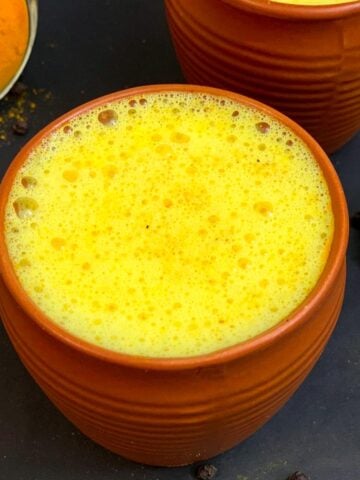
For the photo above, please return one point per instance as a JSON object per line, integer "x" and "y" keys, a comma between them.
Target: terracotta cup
{"x": 180, "y": 410}
{"x": 302, "y": 60}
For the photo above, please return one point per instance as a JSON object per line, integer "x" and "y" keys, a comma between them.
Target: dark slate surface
{"x": 87, "y": 48}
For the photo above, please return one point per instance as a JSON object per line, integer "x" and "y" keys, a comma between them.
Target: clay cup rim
{"x": 277, "y": 333}
{"x": 297, "y": 12}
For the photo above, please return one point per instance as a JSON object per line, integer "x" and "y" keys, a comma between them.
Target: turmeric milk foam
{"x": 169, "y": 226}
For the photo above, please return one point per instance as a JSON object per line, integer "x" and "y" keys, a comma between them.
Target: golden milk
{"x": 169, "y": 226}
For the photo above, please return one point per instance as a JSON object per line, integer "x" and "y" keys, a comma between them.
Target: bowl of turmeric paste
{"x": 18, "y": 24}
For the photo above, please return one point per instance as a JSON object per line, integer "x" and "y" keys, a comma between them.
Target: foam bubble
{"x": 28, "y": 182}
{"x": 263, "y": 127}
{"x": 25, "y": 207}
{"x": 108, "y": 117}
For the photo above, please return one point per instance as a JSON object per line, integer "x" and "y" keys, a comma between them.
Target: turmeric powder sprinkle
{"x": 18, "y": 108}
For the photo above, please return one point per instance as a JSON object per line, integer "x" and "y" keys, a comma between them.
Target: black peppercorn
{"x": 298, "y": 476}
{"x": 206, "y": 472}
{"x": 18, "y": 89}
{"x": 20, "y": 127}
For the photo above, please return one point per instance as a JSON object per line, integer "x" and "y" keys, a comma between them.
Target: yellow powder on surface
{"x": 14, "y": 35}
{"x": 169, "y": 226}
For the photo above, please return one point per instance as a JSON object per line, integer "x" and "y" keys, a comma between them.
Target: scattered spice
{"x": 20, "y": 127}
{"x": 298, "y": 476}
{"x": 16, "y": 109}
{"x": 355, "y": 221}
{"x": 205, "y": 472}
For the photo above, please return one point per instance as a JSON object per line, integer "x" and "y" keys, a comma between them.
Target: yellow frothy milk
{"x": 169, "y": 225}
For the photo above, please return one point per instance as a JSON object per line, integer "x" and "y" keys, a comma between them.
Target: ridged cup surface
{"x": 303, "y": 61}
{"x": 174, "y": 411}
